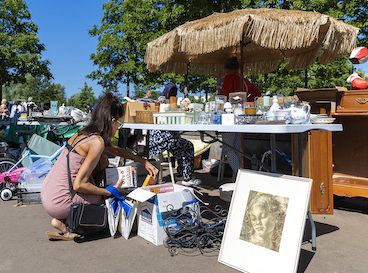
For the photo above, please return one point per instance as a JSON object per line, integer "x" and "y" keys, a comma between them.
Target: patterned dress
{"x": 180, "y": 148}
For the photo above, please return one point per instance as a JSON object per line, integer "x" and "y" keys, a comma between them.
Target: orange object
{"x": 150, "y": 180}
{"x": 173, "y": 102}
{"x": 249, "y": 108}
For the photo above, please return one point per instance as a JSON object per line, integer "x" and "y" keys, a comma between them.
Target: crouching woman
{"x": 86, "y": 159}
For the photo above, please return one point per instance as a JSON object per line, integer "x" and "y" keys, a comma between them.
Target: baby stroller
{"x": 12, "y": 170}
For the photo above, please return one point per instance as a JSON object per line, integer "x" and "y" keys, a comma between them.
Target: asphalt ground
{"x": 342, "y": 244}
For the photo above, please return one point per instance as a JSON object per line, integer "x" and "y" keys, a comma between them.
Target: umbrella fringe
{"x": 340, "y": 38}
{"x": 217, "y": 70}
{"x": 211, "y": 38}
{"x": 286, "y": 31}
{"x": 160, "y": 50}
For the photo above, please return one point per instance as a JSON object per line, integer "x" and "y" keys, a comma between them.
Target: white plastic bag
{"x": 33, "y": 176}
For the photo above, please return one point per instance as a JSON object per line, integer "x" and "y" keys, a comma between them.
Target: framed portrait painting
{"x": 265, "y": 224}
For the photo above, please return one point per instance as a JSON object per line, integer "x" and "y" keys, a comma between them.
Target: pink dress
{"x": 55, "y": 194}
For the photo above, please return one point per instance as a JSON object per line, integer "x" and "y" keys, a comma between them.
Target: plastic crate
{"x": 173, "y": 118}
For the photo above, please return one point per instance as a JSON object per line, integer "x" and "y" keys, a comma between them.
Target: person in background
{"x": 230, "y": 84}
{"x": 180, "y": 148}
{"x": 148, "y": 94}
{"x": 4, "y": 109}
{"x": 87, "y": 158}
{"x": 232, "y": 81}
{"x": 31, "y": 106}
{"x": 16, "y": 109}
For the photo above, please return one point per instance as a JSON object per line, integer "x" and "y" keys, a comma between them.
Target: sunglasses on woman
{"x": 121, "y": 124}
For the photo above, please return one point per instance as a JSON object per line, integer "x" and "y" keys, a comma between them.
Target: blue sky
{"x": 63, "y": 28}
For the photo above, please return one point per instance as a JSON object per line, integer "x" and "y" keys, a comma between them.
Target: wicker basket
{"x": 144, "y": 116}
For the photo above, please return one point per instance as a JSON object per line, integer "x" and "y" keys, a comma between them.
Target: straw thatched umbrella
{"x": 267, "y": 36}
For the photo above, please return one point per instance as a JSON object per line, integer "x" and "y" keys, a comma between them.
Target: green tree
{"x": 83, "y": 99}
{"x": 127, "y": 27}
{"x": 20, "y": 48}
{"x": 40, "y": 89}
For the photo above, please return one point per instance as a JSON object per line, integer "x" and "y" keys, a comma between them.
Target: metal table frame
{"x": 251, "y": 128}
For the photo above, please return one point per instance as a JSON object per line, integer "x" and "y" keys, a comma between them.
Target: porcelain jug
{"x": 299, "y": 114}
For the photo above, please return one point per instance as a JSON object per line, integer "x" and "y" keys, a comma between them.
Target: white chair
{"x": 163, "y": 164}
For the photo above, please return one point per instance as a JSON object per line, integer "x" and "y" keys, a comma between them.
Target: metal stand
{"x": 273, "y": 152}
{"x": 273, "y": 169}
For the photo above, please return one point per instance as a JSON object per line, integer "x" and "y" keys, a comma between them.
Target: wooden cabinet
{"x": 350, "y": 149}
{"x": 353, "y": 102}
{"x": 338, "y": 162}
{"x": 316, "y": 156}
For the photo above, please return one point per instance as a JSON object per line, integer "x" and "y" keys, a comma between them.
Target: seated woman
{"x": 179, "y": 147}
{"x": 86, "y": 159}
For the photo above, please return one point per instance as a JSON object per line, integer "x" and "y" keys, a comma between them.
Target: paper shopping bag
{"x": 113, "y": 216}
{"x": 126, "y": 220}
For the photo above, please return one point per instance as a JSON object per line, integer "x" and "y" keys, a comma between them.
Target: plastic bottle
{"x": 266, "y": 101}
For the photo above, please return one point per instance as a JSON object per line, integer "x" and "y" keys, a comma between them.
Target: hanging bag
{"x": 84, "y": 219}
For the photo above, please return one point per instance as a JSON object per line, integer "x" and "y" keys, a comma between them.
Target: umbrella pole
{"x": 242, "y": 144}
{"x": 186, "y": 84}
{"x": 241, "y": 66}
{"x": 242, "y": 45}
{"x": 305, "y": 78}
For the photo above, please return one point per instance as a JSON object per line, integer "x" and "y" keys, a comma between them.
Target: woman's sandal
{"x": 59, "y": 236}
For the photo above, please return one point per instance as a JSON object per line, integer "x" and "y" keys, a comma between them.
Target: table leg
{"x": 273, "y": 152}
{"x": 313, "y": 228}
{"x": 309, "y": 213}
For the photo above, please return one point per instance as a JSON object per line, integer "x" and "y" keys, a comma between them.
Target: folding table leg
{"x": 309, "y": 214}
{"x": 313, "y": 228}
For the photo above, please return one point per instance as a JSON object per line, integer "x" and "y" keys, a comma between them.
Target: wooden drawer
{"x": 353, "y": 101}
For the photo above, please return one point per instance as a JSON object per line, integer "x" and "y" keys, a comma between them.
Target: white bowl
{"x": 323, "y": 120}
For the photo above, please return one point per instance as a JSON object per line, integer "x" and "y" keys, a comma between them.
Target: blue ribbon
{"x": 119, "y": 201}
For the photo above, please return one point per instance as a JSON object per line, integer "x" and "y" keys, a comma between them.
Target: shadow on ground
{"x": 304, "y": 259}
{"x": 306, "y": 256}
{"x": 355, "y": 204}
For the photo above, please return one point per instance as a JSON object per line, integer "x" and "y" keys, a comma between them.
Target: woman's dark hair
{"x": 232, "y": 64}
{"x": 108, "y": 108}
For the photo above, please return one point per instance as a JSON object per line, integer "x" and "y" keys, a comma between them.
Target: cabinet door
{"x": 316, "y": 157}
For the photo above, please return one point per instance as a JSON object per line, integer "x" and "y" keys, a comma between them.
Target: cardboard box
{"x": 131, "y": 108}
{"x": 153, "y": 212}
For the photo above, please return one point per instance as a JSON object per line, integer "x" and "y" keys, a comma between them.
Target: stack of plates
{"x": 321, "y": 119}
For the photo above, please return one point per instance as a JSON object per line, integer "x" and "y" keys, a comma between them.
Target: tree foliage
{"x": 127, "y": 26}
{"x": 42, "y": 90}
{"x": 318, "y": 76}
{"x": 20, "y": 48}
{"x": 85, "y": 98}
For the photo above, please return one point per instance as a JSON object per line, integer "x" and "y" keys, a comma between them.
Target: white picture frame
{"x": 265, "y": 224}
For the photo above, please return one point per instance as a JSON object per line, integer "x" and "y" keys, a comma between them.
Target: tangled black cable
{"x": 194, "y": 227}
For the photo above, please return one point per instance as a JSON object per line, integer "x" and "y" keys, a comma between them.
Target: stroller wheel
{"x": 6, "y": 194}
